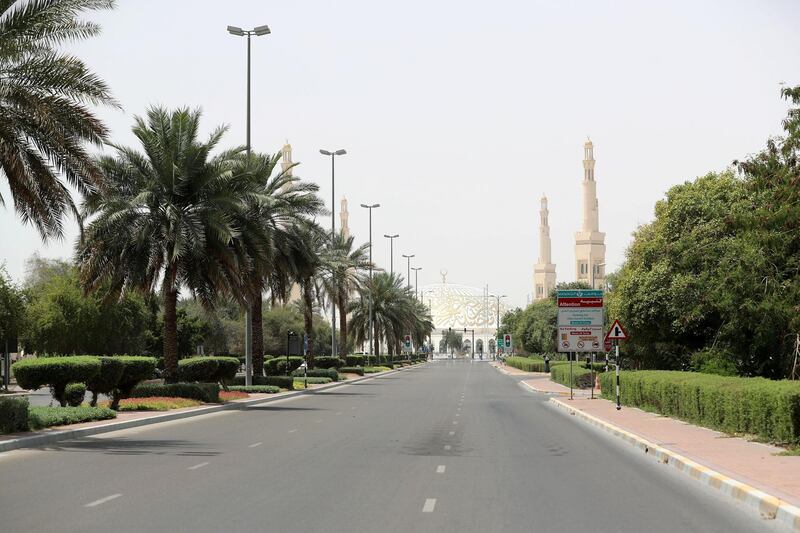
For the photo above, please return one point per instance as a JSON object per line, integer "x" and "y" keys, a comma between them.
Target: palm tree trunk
{"x": 170, "y": 333}
{"x": 343, "y": 321}
{"x": 256, "y": 315}
{"x": 377, "y": 339}
{"x": 308, "y": 319}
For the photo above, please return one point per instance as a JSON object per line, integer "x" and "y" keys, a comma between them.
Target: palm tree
{"x": 45, "y": 120}
{"x": 168, "y": 216}
{"x": 392, "y": 310}
{"x": 344, "y": 277}
{"x": 283, "y": 201}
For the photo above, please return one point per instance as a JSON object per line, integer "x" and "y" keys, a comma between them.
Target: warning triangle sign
{"x": 616, "y": 332}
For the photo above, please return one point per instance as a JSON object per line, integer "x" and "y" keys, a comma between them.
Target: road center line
{"x": 292, "y": 430}
{"x": 430, "y": 503}
{"x": 447, "y": 446}
{"x": 440, "y": 469}
{"x": 452, "y": 432}
{"x": 255, "y": 444}
{"x": 201, "y": 465}
{"x": 103, "y": 500}
{"x": 455, "y": 422}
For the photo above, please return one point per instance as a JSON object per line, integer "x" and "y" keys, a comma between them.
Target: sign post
{"x": 580, "y": 324}
{"x": 616, "y": 334}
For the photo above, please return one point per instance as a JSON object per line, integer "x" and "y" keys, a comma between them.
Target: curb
{"x": 57, "y": 435}
{"x": 551, "y": 393}
{"x": 768, "y": 506}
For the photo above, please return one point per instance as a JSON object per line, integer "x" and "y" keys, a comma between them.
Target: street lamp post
{"x": 333, "y": 155}
{"x": 369, "y": 297}
{"x": 497, "y": 333}
{"x": 391, "y": 251}
{"x": 248, "y": 319}
{"x": 416, "y": 280}
{"x": 408, "y": 279}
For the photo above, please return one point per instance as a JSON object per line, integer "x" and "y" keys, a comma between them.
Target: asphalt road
{"x": 446, "y": 447}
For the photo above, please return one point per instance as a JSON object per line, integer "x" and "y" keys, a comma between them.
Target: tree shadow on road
{"x": 123, "y": 446}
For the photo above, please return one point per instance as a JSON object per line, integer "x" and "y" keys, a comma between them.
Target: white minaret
{"x": 344, "y": 216}
{"x": 286, "y": 158}
{"x": 544, "y": 272}
{"x": 590, "y": 248}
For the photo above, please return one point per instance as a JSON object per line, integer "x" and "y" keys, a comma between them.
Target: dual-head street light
{"x": 408, "y": 273}
{"x": 369, "y": 295}
{"x": 333, "y": 155}
{"x": 248, "y": 328}
{"x": 391, "y": 250}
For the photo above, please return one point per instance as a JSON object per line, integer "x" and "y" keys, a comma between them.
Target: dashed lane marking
{"x": 440, "y": 469}
{"x": 255, "y": 445}
{"x": 200, "y": 465}
{"x": 103, "y": 500}
{"x": 430, "y": 504}
{"x": 292, "y": 430}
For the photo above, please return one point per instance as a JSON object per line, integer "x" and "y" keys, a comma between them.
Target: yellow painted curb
{"x": 769, "y": 507}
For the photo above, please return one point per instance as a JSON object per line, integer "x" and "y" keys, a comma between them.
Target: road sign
{"x": 580, "y": 320}
{"x": 617, "y": 332}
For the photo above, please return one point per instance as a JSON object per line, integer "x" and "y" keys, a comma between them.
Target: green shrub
{"x": 56, "y": 372}
{"x": 318, "y": 373}
{"x": 106, "y": 380}
{"x": 354, "y": 360}
{"x": 264, "y": 389}
{"x": 327, "y": 361}
{"x": 75, "y": 393}
{"x": 204, "y": 392}
{"x": 42, "y": 417}
{"x": 526, "y": 364}
{"x": 751, "y": 406}
{"x": 375, "y": 369}
{"x": 135, "y": 370}
{"x": 581, "y": 377}
{"x": 299, "y": 382}
{"x": 277, "y": 365}
{"x": 226, "y": 369}
{"x": 352, "y": 370}
{"x": 200, "y": 369}
{"x": 284, "y": 382}
{"x": 13, "y": 414}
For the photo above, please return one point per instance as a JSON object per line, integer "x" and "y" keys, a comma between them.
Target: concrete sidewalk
{"x": 540, "y": 382}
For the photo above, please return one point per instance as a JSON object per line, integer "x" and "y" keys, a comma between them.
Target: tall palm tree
{"x": 283, "y": 201}
{"x": 392, "y": 310}
{"x": 346, "y": 265}
{"x": 168, "y": 216}
{"x": 45, "y": 120}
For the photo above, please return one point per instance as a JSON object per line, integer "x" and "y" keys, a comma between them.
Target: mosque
{"x": 475, "y": 312}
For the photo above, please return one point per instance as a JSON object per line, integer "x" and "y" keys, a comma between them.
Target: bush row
{"x": 284, "y": 382}
{"x": 207, "y": 369}
{"x": 581, "y": 376}
{"x": 115, "y": 376}
{"x": 42, "y": 417}
{"x": 331, "y": 373}
{"x": 752, "y": 406}
{"x": 264, "y": 389}
{"x": 204, "y": 392}
{"x": 352, "y": 370}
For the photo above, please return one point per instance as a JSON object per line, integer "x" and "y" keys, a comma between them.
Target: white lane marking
{"x": 255, "y": 445}
{"x": 103, "y": 500}
{"x": 452, "y": 432}
{"x": 292, "y": 430}
{"x": 318, "y": 420}
{"x": 455, "y": 422}
{"x": 354, "y": 408}
{"x": 458, "y": 414}
{"x": 430, "y": 503}
{"x": 201, "y": 465}
{"x": 440, "y": 469}
{"x": 447, "y": 446}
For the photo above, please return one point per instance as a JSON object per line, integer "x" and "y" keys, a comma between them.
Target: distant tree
{"x": 12, "y": 308}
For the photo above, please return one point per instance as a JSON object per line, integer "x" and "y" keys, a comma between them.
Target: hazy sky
{"x": 457, "y": 116}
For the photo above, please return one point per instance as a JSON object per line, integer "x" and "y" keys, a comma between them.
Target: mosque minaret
{"x": 344, "y": 216}
{"x": 544, "y": 273}
{"x": 590, "y": 248}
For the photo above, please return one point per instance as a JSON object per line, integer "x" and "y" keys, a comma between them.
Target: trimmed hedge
{"x": 208, "y": 369}
{"x": 354, "y": 360}
{"x": 13, "y": 414}
{"x": 56, "y": 372}
{"x": 751, "y": 406}
{"x": 526, "y": 364}
{"x": 135, "y": 370}
{"x": 312, "y": 381}
{"x": 204, "y": 392}
{"x": 581, "y": 377}
{"x": 277, "y": 365}
{"x": 352, "y": 370}
{"x": 327, "y": 361}
{"x": 111, "y": 369}
{"x": 264, "y": 389}
{"x": 375, "y": 369}
{"x": 75, "y": 393}
{"x": 284, "y": 382}
{"x": 318, "y": 373}
{"x": 42, "y": 417}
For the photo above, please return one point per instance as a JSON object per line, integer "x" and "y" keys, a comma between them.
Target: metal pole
{"x": 473, "y": 344}
{"x": 616, "y": 361}
{"x": 391, "y": 255}
{"x": 592, "y": 374}
{"x": 570, "y": 376}
{"x": 288, "y": 340}
{"x": 369, "y": 297}
{"x": 248, "y": 314}
{"x": 333, "y": 244}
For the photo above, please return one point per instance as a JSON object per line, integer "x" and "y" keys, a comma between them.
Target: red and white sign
{"x": 580, "y": 320}
{"x": 616, "y": 332}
